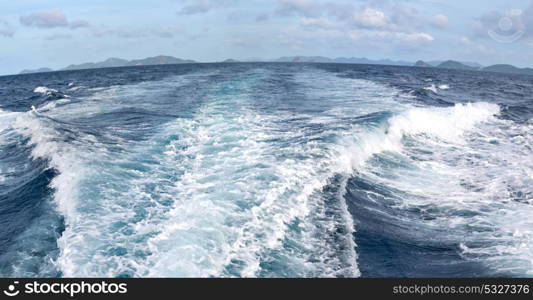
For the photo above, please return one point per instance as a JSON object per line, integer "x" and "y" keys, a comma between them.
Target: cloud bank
{"x": 52, "y": 18}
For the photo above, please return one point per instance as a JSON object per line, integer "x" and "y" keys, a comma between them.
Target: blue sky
{"x": 56, "y": 33}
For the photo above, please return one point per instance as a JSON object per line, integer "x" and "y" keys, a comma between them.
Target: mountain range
{"x": 342, "y": 60}
{"x": 165, "y": 60}
{"x": 500, "y": 68}
{"x": 118, "y": 62}
{"x": 41, "y": 70}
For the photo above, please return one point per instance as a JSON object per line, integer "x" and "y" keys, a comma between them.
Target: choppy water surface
{"x": 266, "y": 170}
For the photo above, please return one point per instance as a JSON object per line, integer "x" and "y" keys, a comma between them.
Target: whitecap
{"x": 44, "y": 90}
{"x": 432, "y": 88}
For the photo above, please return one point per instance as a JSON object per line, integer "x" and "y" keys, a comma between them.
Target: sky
{"x": 57, "y": 33}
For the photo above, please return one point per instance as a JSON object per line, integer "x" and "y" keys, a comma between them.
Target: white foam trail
{"x": 44, "y": 90}
{"x": 499, "y": 177}
{"x": 231, "y": 189}
{"x": 291, "y": 196}
{"x": 432, "y": 88}
{"x": 247, "y": 170}
{"x": 95, "y": 187}
{"x": 472, "y": 177}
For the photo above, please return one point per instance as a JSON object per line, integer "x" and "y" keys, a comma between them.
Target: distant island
{"x": 41, "y": 70}
{"x": 169, "y": 60}
{"x": 118, "y": 62}
{"x": 468, "y": 63}
{"x": 500, "y": 68}
{"x": 422, "y": 64}
{"x": 342, "y": 60}
{"x": 509, "y": 69}
{"x": 451, "y": 64}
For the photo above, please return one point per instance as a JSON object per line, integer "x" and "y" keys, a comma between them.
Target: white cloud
{"x": 397, "y": 18}
{"x": 322, "y": 23}
{"x": 197, "y": 8}
{"x": 79, "y": 24}
{"x": 193, "y": 7}
{"x": 390, "y": 36}
{"x": 51, "y": 19}
{"x": 413, "y": 37}
{"x": 371, "y": 18}
{"x": 45, "y": 19}
{"x": 440, "y": 21}
{"x": 6, "y": 30}
{"x": 132, "y": 33}
{"x": 346, "y": 21}
{"x": 306, "y": 8}
{"x": 58, "y": 36}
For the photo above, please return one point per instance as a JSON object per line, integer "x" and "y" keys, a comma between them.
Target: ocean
{"x": 266, "y": 170}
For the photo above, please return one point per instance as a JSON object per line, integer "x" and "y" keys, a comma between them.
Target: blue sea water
{"x": 266, "y": 170}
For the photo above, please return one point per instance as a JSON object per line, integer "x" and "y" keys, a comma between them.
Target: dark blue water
{"x": 266, "y": 170}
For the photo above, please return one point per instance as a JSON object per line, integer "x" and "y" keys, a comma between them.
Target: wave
{"x": 466, "y": 173}
{"x": 432, "y": 88}
{"x": 44, "y": 90}
{"x": 448, "y": 124}
{"x": 30, "y": 224}
{"x": 435, "y": 89}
